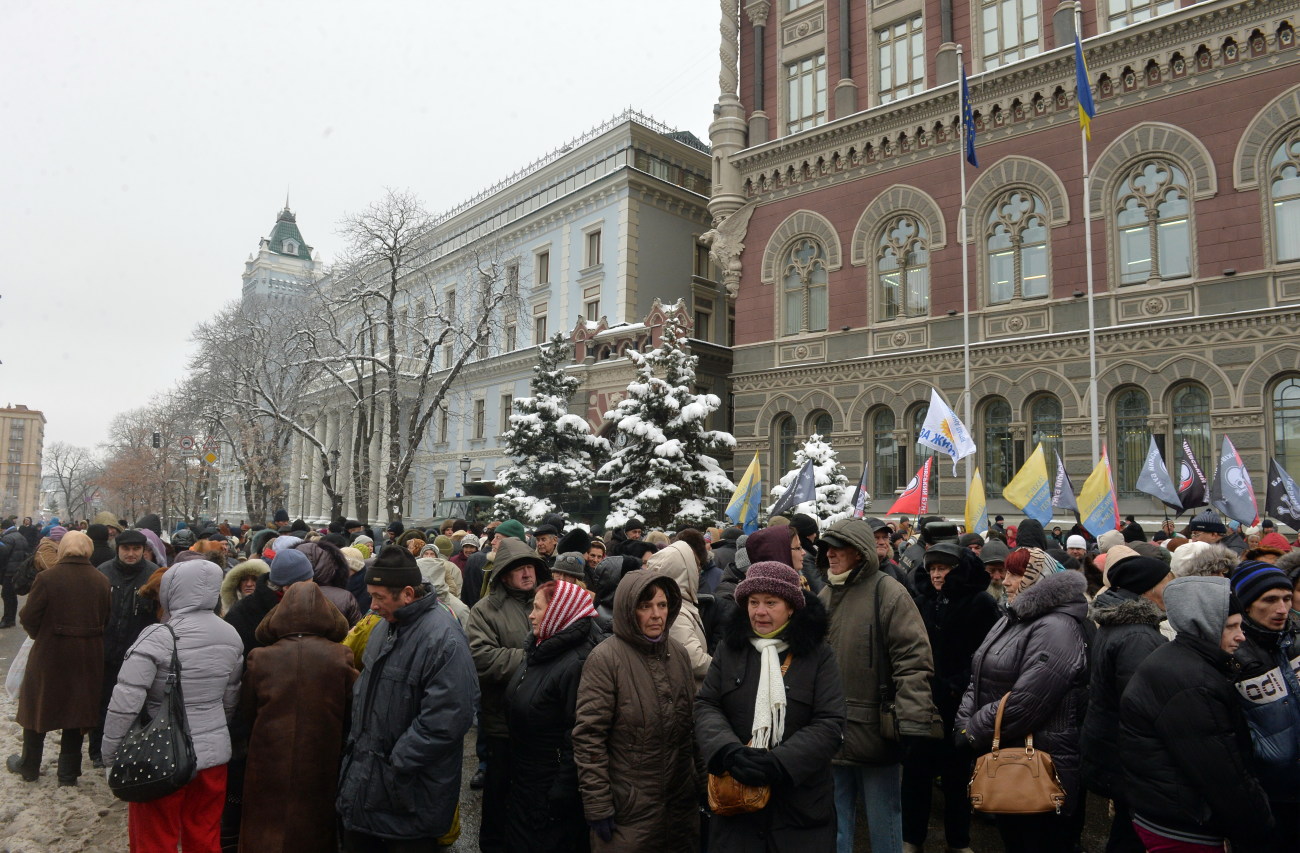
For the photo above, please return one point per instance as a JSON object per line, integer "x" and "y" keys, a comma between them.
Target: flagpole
{"x": 1087, "y": 253}
{"x": 965, "y": 263}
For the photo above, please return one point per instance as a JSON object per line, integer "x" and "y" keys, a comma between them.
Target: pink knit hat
{"x": 771, "y": 578}
{"x": 569, "y": 603}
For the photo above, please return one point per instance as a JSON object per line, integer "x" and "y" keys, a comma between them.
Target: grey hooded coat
{"x": 212, "y": 664}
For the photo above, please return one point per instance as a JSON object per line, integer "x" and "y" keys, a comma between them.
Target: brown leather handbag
{"x": 1015, "y": 780}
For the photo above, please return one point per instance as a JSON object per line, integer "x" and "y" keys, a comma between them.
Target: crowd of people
{"x": 612, "y": 678}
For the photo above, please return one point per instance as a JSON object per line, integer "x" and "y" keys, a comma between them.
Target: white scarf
{"x": 769, "y": 704}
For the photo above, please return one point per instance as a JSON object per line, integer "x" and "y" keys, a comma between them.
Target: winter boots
{"x": 28, "y": 764}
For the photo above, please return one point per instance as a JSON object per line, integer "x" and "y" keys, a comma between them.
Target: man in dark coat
{"x": 129, "y": 614}
{"x": 13, "y": 550}
{"x": 1128, "y": 617}
{"x": 400, "y": 781}
{"x": 103, "y": 552}
{"x": 1184, "y": 741}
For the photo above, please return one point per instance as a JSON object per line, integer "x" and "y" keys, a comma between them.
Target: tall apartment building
{"x": 598, "y": 236}
{"x": 837, "y": 151}
{"x": 22, "y": 438}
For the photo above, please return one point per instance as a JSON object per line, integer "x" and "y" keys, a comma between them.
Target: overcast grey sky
{"x": 147, "y": 146}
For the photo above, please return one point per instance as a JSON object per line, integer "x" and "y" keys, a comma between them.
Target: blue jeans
{"x": 881, "y": 791}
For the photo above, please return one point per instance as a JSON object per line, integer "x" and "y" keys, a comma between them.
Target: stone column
{"x": 757, "y": 11}
{"x": 727, "y": 133}
{"x": 331, "y": 441}
{"x": 846, "y": 90}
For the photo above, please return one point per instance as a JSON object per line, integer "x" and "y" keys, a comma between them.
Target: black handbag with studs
{"x": 156, "y": 758}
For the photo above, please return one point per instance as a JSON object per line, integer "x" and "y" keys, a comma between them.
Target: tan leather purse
{"x": 1015, "y": 780}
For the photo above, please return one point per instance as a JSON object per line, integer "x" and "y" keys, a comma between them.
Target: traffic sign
{"x": 210, "y": 458}
{"x": 211, "y": 443}
{"x": 187, "y": 442}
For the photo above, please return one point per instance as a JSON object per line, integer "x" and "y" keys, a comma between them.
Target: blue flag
{"x": 743, "y": 508}
{"x": 968, "y": 120}
{"x": 802, "y": 490}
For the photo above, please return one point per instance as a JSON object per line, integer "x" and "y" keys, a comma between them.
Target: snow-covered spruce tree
{"x": 663, "y": 471}
{"x": 554, "y": 452}
{"x": 833, "y": 489}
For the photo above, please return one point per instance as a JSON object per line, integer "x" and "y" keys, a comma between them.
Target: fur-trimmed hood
{"x": 1122, "y": 607}
{"x": 240, "y": 573}
{"x": 1063, "y": 591}
{"x": 808, "y": 627}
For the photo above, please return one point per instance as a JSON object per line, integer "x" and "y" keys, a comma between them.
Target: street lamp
{"x": 465, "y": 462}
{"x": 302, "y": 497}
{"x": 334, "y": 476}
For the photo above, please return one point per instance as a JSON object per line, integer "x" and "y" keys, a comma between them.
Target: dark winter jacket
{"x": 103, "y": 552}
{"x": 544, "y": 810}
{"x": 247, "y": 613}
{"x": 498, "y": 631}
{"x": 724, "y": 554}
{"x": 411, "y": 708}
{"x": 957, "y": 619}
{"x": 357, "y": 586}
{"x": 1128, "y": 629}
{"x": 605, "y": 579}
{"x": 1038, "y": 654}
{"x": 13, "y": 550}
{"x": 297, "y": 700}
{"x": 633, "y": 739}
{"x": 771, "y": 544}
{"x": 472, "y": 577}
{"x": 1269, "y": 692}
{"x": 854, "y": 635}
{"x": 800, "y": 814}
{"x": 1184, "y": 742}
{"x": 129, "y": 613}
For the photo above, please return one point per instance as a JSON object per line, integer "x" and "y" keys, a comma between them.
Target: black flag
{"x": 802, "y": 490}
{"x": 1283, "y": 499}
{"x": 1232, "y": 493}
{"x": 1191, "y": 481}
{"x": 1155, "y": 481}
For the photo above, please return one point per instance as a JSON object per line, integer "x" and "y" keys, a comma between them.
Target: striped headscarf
{"x": 569, "y": 603}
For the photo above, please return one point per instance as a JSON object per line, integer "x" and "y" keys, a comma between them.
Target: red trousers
{"x": 190, "y": 817}
{"x": 1159, "y": 844}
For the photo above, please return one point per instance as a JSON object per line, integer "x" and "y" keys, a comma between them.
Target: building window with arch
{"x": 1132, "y": 438}
{"x": 1190, "y": 407}
{"x": 1045, "y": 427}
{"x": 903, "y": 265}
{"x": 1016, "y": 238}
{"x": 803, "y": 288}
{"x": 783, "y": 433}
{"x": 883, "y": 454}
{"x": 1286, "y": 424}
{"x": 999, "y": 446}
{"x": 1153, "y": 218}
{"x": 822, "y": 424}
{"x": 1284, "y": 197}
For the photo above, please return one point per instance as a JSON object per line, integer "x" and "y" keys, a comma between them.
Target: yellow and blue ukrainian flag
{"x": 1083, "y": 94}
{"x": 743, "y": 509}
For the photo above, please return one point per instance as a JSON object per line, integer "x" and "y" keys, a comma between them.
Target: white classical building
{"x": 596, "y": 231}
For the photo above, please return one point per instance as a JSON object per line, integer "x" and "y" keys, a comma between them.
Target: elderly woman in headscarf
{"x": 65, "y": 615}
{"x": 1036, "y": 655}
{"x": 771, "y": 712}
{"x": 544, "y": 811}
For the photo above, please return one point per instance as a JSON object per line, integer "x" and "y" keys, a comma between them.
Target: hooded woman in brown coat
{"x": 297, "y": 697}
{"x": 634, "y": 738}
{"x": 65, "y": 615}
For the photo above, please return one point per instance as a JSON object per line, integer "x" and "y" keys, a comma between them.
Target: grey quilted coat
{"x": 212, "y": 664}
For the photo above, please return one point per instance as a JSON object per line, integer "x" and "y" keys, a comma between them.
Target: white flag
{"x": 944, "y": 432}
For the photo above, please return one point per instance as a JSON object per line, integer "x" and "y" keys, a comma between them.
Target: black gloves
{"x": 604, "y": 828}
{"x": 721, "y": 761}
{"x": 757, "y": 767}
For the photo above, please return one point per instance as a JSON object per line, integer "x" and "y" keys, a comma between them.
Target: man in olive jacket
{"x": 497, "y": 629}
{"x": 875, "y": 660}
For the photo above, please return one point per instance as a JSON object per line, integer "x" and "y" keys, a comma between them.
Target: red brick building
{"x": 837, "y": 194}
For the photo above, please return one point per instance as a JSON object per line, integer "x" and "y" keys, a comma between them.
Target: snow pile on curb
{"x": 39, "y": 816}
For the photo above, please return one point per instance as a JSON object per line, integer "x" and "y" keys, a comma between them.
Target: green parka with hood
{"x": 854, "y": 635}
{"x": 497, "y": 629}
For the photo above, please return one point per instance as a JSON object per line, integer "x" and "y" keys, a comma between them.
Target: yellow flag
{"x": 1030, "y": 489}
{"x": 977, "y": 508}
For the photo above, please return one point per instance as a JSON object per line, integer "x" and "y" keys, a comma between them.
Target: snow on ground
{"x": 39, "y": 816}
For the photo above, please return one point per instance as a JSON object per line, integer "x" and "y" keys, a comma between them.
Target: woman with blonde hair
{"x": 65, "y": 615}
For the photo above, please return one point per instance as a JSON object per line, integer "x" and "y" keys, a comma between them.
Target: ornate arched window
{"x": 783, "y": 435}
{"x": 1132, "y": 437}
{"x": 883, "y": 454}
{"x": 1015, "y": 235}
{"x": 1286, "y": 424}
{"x": 1045, "y": 427}
{"x": 822, "y": 424}
{"x": 999, "y": 446}
{"x": 1153, "y": 218}
{"x": 1190, "y": 407}
{"x": 1284, "y": 194}
{"x": 803, "y": 288}
{"x": 903, "y": 267}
